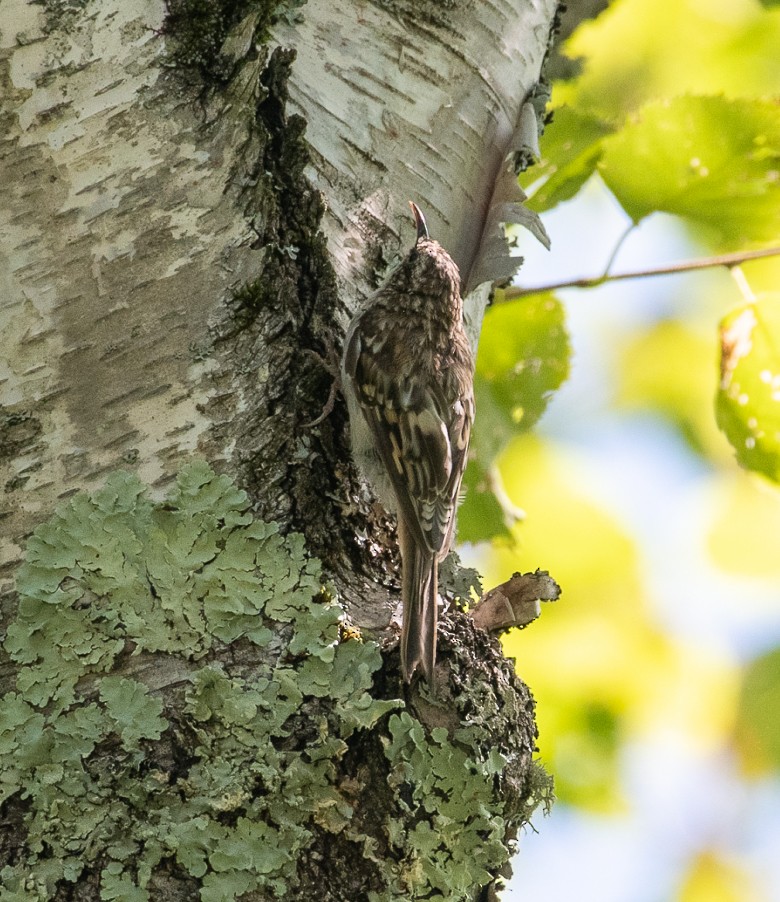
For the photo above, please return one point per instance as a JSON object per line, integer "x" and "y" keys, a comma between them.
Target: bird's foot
{"x": 331, "y": 363}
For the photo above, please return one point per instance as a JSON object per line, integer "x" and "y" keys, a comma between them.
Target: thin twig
{"x": 616, "y": 250}
{"x": 728, "y": 260}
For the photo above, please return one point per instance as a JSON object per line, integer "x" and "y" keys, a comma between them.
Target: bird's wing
{"x": 421, "y": 430}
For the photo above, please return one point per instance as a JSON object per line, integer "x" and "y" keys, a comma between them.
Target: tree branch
{"x": 728, "y": 260}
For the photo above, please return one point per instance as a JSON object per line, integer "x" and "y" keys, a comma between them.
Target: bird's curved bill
{"x": 419, "y": 221}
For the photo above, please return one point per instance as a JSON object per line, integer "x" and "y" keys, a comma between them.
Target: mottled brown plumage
{"x": 408, "y": 376}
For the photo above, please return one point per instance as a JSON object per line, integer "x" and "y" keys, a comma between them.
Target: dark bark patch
{"x": 198, "y": 30}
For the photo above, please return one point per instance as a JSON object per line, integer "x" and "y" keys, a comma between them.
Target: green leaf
{"x": 642, "y": 50}
{"x": 571, "y": 148}
{"x": 523, "y": 358}
{"x": 748, "y": 400}
{"x": 709, "y": 160}
{"x": 480, "y": 517}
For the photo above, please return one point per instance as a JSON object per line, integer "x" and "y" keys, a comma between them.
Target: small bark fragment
{"x": 515, "y": 603}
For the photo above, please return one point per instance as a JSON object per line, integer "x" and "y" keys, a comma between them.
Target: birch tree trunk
{"x": 191, "y": 197}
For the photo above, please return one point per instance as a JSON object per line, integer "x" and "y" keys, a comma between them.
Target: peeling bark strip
{"x": 515, "y": 603}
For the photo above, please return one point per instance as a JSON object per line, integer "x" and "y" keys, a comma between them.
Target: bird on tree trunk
{"x": 408, "y": 373}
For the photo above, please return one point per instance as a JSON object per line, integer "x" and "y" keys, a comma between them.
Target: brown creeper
{"x": 408, "y": 373}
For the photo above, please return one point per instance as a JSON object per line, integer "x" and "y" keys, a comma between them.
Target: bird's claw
{"x": 331, "y": 363}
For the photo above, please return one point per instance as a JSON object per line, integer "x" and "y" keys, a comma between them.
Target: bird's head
{"x": 429, "y": 268}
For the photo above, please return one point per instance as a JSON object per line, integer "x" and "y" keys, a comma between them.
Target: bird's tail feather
{"x": 419, "y": 592}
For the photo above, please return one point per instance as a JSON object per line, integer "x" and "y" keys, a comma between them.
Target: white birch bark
{"x": 134, "y": 209}
{"x": 120, "y": 223}
{"x": 423, "y": 111}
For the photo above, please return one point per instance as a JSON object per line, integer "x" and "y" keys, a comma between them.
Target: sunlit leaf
{"x": 480, "y": 517}
{"x": 709, "y": 160}
{"x": 523, "y": 358}
{"x": 757, "y": 735}
{"x": 570, "y": 148}
{"x": 748, "y": 401}
{"x": 642, "y": 50}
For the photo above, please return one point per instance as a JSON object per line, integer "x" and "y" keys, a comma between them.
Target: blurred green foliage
{"x": 669, "y": 368}
{"x": 709, "y": 160}
{"x": 674, "y": 110}
{"x": 523, "y": 358}
{"x": 745, "y": 524}
{"x": 758, "y": 735}
{"x": 638, "y": 51}
{"x": 713, "y": 878}
{"x": 602, "y": 670}
{"x": 571, "y": 151}
{"x": 749, "y": 396}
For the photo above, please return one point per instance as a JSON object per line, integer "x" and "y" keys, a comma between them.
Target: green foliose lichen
{"x": 186, "y": 699}
{"x": 114, "y": 576}
{"x": 462, "y": 841}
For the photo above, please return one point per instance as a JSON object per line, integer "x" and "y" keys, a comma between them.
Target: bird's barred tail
{"x": 419, "y": 592}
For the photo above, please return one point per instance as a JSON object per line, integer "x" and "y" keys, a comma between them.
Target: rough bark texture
{"x": 162, "y": 263}
{"x": 185, "y": 208}
{"x": 411, "y": 100}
